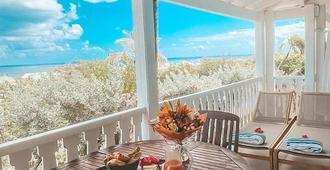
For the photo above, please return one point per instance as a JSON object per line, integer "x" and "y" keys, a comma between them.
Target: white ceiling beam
{"x": 218, "y": 7}
{"x": 243, "y": 3}
{"x": 320, "y": 2}
{"x": 266, "y": 4}
{"x": 288, "y": 5}
{"x": 253, "y": 4}
{"x": 289, "y": 13}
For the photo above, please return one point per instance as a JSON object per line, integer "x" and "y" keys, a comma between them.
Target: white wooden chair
{"x": 272, "y": 114}
{"x": 314, "y": 121}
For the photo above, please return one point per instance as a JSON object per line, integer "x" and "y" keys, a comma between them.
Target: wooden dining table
{"x": 205, "y": 156}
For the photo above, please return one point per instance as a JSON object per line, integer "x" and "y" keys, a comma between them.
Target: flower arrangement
{"x": 179, "y": 123}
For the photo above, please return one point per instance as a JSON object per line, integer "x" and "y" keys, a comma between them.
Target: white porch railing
{"x": 290, "y": 83}
{"x": 20, "y": 150}
{"x": 238, "y": 98}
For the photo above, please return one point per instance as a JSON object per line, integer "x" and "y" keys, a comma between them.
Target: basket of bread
{"x": 121, "y": 161}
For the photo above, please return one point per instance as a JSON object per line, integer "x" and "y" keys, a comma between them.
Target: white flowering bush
{"x": 62, "y": 97}
{"x": 87, "y": 90}
{"x": 187, "y": 78}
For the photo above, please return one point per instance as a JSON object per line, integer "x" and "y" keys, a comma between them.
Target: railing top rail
{"x": 289, "y": 77}
{"x": 53, "y": 135}
{"x": 217, "y": 89}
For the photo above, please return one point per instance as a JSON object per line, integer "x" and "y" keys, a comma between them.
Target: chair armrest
{"x": 284, "y": 133}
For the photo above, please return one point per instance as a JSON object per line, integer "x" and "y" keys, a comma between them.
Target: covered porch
{"x": 238, "y": 98}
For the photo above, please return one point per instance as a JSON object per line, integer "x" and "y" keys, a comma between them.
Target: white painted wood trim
{"x": 259, "y": 47}
{"x": 309, "y": 11}
{"x": 145, "y": 60}
{"x": 264, "y": 5}
{"x": 320, "y": 47}
{"x": 269, "y": 47}
{"x": 219, "y": 7}
{"x": 327, "y": 66}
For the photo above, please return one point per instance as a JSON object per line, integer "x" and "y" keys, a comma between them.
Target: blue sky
{"x": 63, "y": 31}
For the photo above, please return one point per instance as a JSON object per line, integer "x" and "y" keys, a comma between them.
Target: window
{"x": 63, "y": 62}
{"x": 200, "y": 50}
{"x": 289, "y": 47}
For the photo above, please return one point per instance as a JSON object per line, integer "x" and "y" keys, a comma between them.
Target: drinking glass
{"x": 173, "y": 159}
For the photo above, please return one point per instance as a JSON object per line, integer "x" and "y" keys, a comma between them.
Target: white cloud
{"x": 72, "y": 14}
{"x": 282, "y": 32}
{"x": 99, "y": 1}
{"x": 236, "y": 42}
{"x": 87, "y": 47}
{"x": 3, "y": 51}
{"x": 243, "y": 33}
{"x": 41, "y": 25}
{"x": 287, "y": 30}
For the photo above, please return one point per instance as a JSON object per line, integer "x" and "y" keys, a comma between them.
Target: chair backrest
{"x": 273, "y": 107}
{"x": 220, "y": 128}
{"x": 314, "y": 109}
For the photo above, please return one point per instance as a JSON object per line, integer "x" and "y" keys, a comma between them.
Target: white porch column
{"x": 269, "y": 48}
{"x": 145, "y": 60}
{"x": 320, "y": 48}
{"x": 259, "y": 47}
{"x": 309, "y": 14}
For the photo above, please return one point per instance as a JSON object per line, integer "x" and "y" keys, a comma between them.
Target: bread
{"x": 119, "y": 159}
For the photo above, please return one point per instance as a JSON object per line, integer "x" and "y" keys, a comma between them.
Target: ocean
{"x": 20, "y": 70}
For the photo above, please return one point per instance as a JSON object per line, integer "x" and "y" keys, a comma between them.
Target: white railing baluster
{"x": 207, "y": 103}
{"x": 91, "y": 137}
{"x": 109, "y": 131}
{"x": 71, "y": 145}
{"x": 132, "y": 135}
{"x": 47, "y": 152}
{"x": 231, "y": 102}
{"x": 124, "y": 125}
{"x": 200, "y": 104}
{"x": 235, "y": 101}
{"x": 137, "y": 122}
{"x": 118, "y": 134}
{"x": 215, "y": 105}
{"x": 239, "y": 101}
{"x": 221, "y": 101}
{"x": 226, "y": 101}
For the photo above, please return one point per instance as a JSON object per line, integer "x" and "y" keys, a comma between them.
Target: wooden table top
{"x": 205, "y": 156}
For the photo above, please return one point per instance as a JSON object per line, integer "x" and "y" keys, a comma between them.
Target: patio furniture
{"x": 204, "y": 156}
{"x": 220, "y": 128}
{"x": 313, "y": 121}
{"x": 272, "y": 115}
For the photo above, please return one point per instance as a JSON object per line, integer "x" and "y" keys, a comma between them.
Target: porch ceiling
{"x": 275, "y": 5}
{"x": 278, "y": 5}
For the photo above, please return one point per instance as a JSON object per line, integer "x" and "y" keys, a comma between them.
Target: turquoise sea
{"x": 20, "y": 70}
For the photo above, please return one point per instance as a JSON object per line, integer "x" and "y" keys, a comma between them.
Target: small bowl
{"x": 131, "y": 166}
